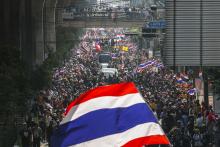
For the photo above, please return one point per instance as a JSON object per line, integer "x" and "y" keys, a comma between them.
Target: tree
{"x": 13, "y": 76}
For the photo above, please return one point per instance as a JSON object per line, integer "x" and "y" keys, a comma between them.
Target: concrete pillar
{"x": 6, "y": 20}
{"x": 59, "y": 17}
{"x": 9, "y": 22}
{"x": 50, "y": 26}
{"x": 26, "y": 34}
{"x": 38, "y": 30}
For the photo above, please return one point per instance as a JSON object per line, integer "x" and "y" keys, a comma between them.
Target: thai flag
{"x": 192, "y": 91}
{"x": 109, "y": 116}
{"x": 114, "y": 55}
{"x": 145, "y": 65}
{"x": 179, "y": 80}
{"x": 160, "y": 65}
{"x": 184, "y": 77}
{"x": 139, "y": 70}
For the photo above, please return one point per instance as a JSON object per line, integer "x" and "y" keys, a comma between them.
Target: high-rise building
{"x": 192, "y": 33}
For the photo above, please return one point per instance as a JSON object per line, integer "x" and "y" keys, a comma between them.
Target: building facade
{"x": 192, "y": 33}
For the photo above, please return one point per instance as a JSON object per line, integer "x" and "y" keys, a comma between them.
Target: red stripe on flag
{"x": 113, "y": 90}
{"x": 148, "y": 140}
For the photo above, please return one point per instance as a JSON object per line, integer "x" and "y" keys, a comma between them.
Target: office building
{"x": 192, "y": 33}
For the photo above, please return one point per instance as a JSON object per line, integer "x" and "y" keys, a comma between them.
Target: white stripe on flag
{"x": 104, "y": 102}
{"x": 142, "y": 130}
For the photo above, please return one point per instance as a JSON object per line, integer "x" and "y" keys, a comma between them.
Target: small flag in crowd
{"x": 114, "y": 55}
{"x": 124, "y": 48}
{"x": 192, "y": 91}
{"x": 145, "y": 65}
{"x": 184, "y": 77}
{"x": 160, "y": 65}
{"x": 179, "y": 80}
{"x": 109, "y": 116}
{"x": 139, "y": 70}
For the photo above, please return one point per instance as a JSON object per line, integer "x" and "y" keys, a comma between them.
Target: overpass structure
{"x": 103, "y": 17}
{"x": 31, "y": 24}
{"x": 102, "y": 24}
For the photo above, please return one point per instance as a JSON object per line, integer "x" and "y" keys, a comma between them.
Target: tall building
{"x": 192, "y": 33}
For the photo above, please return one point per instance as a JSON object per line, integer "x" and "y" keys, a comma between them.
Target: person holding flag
{"x": 109, "y": 116}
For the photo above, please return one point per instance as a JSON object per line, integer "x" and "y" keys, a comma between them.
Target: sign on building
{"x": 156, "y": 25}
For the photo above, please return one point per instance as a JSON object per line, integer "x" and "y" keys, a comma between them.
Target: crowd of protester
{"x": 185, "y": 120}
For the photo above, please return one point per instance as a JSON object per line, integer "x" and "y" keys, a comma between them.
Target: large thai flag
{"x": 109, "y": 116}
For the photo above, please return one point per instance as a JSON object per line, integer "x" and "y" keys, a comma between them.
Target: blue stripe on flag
{"x": 101, "y": 123}
{"x": 143, "y": 65}
{"x": 180, "y": 80}
{"x": 148, "y": 62}
{"x": 191, "y": 91}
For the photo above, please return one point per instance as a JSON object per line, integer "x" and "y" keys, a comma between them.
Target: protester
{"x": 26, "y": 136}
{"x": 217, "y": 133}
{"x": 171, "y": 96}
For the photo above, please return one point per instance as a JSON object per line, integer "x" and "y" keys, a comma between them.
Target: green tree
{"x": 67, "y": 38}
{"x": 14, "y": 85}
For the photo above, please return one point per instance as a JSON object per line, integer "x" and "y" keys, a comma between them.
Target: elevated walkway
{"x": 106, "y": 23}
{"x": 102, "y": 19}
